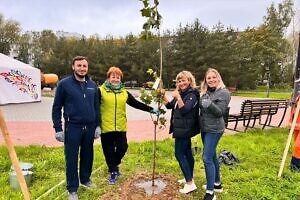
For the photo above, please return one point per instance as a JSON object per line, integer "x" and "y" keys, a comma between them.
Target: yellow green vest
{"x": 113, "y": 109}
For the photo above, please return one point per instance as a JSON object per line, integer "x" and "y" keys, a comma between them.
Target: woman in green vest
{"x": 113, "y": 99}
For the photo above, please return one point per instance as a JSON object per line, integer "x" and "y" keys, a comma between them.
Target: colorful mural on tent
{"x": 23, "y": 82}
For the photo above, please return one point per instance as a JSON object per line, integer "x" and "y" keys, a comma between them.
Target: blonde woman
{"x": 184, "y": 125}
{"x": 214, "y": 100}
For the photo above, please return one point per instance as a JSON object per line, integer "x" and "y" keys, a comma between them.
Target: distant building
{"x": 68, "y": 34}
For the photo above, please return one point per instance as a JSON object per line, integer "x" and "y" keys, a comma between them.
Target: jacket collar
{"x": 87, "y": 78}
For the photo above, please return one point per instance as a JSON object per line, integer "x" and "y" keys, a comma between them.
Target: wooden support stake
{"x": 289, "y": 140}
{"x": 13, "y": 157}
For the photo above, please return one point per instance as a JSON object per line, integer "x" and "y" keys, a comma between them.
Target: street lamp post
{"x": 268, "y": 76}
{"x": 268, "y": 84}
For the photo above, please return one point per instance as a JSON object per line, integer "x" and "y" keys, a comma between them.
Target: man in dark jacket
{"x": 78, "y": 96}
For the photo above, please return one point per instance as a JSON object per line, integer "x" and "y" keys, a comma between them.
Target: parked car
{"x": 131, "y": 84}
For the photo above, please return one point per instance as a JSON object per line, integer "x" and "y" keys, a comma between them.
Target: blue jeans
{"x": 184, "y": 156}
{"x": 210, "y": 159}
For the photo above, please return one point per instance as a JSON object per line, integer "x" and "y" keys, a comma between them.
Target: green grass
{"x": 259, "y": 94}
{"x": 260, "y": 153}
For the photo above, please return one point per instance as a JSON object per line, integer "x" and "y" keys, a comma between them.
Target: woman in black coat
{"x": 184, "y": 125}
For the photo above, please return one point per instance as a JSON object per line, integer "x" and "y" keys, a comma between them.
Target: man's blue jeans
{"x": 210, "y": 159}
{"x": 184, "y": 156}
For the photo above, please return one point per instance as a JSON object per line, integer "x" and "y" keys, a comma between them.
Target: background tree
{"x": 9, "y": 34}
{"x": 275, "y": 48}
{"x": 245, "y": 58}
{"x": 25, "y": 48}
{"x": 220, "y": 51}
{"x": 189, "y": 47}
{"x": 45, "y": 43}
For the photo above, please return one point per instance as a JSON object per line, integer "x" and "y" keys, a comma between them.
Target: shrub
{"x": 282, "y": 87}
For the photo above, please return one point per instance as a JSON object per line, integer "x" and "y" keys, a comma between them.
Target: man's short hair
{"x": 79, "y": 58}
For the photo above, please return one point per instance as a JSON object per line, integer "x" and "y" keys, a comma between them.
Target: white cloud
{"x": 120, "y": 17}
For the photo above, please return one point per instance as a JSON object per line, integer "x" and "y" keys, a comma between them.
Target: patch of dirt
{"x": 129, "y": 190}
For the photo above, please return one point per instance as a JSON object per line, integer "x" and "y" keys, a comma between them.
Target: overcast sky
{"x": 120, "y": 17}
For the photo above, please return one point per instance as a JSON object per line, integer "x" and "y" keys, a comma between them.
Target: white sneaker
{"x": 217, "y": 188}
{"x": 188, "y": 188}
{"x": 182, "y": 181}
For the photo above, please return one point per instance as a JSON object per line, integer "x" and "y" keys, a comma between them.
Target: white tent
{"x": 19, "y": 82}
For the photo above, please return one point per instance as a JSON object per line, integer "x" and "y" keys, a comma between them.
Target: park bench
{"x": 253, "y": 110}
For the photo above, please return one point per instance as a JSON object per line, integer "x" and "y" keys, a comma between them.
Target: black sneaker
{"x": 210, "y": 197}
{"x": 118, "y": 173}
{"x": 113, "y": 178}
{"x": 217, "y": 188}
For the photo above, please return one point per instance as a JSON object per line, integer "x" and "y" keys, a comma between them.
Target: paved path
{"x": 30, "y": 123}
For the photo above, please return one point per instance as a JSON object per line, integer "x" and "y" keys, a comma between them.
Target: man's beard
{"x": 79, "y": 75}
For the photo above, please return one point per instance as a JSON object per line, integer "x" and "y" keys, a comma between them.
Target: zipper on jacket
{"x": 83, "y": 87}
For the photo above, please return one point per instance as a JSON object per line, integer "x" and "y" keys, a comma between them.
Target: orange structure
{"x": 295, "y": 162}
{"x": 49, "y": 80}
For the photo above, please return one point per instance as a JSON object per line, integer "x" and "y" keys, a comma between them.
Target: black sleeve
{"x": 97, "y": 107}
{"x": 99, "y": 94}
{"x": 137, "y": 104}
{"x": 171, "y": 104}
{"x": 190, "y": 102}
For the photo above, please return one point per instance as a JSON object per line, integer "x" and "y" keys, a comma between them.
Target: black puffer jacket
{"x": 184, "y": 121}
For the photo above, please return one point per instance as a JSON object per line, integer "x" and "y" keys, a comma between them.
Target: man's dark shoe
{"x": 89, "y": 185}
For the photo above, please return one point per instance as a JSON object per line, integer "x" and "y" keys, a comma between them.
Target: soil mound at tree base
{"x": 130, "y": 190}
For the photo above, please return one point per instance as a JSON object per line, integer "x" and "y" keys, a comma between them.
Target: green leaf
{"x": 155, "y": 75}
{"x": 159, "y": 17}
{"x": 146, "y": 26}
{"x": 151, "y": 21}
{"x": 150, "y": 71}
{"x": 146, "y": 12}
{"x": 145, "y": 2}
